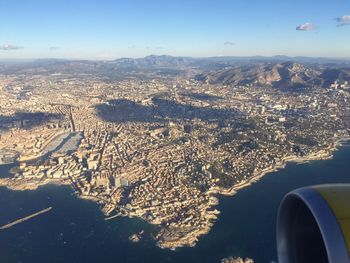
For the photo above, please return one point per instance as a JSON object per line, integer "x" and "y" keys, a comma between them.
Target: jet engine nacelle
{"x": 313, "y": 225}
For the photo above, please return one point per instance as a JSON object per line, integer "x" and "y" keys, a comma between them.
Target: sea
{"x": 75, "y": 231}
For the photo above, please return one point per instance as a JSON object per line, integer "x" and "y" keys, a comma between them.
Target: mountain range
{"x": 278, "y": 75}
{"x": 277, "y": 71}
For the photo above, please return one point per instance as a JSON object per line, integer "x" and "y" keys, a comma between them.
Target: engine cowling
{"x": 313, "y": 225}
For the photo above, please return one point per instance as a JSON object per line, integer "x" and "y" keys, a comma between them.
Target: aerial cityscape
{"x": 162, "y": 138}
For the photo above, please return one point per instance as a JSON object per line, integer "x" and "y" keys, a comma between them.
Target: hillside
{"x": 278, "y": 75}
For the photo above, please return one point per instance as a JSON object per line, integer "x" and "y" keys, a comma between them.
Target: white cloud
{"x": 229, "y": 43}
{"x": 343, "y": 20}
{"x": 54, "y": 48}
{"x": 306, "y": 27}
{"x": 10, "y": 47}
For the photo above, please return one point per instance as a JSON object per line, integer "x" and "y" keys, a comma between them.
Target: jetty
{"x": 18, "y": 221}
{"x": 112, "y": 217}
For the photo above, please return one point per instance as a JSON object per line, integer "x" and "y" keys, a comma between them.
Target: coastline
{"x": 191, "y": 238}
{"x": 29, "y": 185}
{"x": 324, "y": 154}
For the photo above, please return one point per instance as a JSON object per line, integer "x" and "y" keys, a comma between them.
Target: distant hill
{"x": 155, "y": 61}
{"x": 285, "y": 75}
{"x": 278, "y": 71}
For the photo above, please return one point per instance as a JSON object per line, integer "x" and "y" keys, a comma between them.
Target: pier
{"x": 18, "y": 221}
{"x": 112, "y": 217}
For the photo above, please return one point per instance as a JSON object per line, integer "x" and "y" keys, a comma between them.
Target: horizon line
{"x": 166, "y": 55}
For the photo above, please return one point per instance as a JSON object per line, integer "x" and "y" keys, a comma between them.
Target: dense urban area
{"x": 163, "y": 147}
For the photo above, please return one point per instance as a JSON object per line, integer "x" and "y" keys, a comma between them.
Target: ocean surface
{"x": 75, "y": 230}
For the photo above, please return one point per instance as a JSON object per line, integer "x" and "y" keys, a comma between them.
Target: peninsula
{"x": 162, "y": 144}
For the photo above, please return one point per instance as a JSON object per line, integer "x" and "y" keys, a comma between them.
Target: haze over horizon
{"x": 104, "y": 30}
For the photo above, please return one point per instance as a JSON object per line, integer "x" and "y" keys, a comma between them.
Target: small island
{"x": 237, "y": 260}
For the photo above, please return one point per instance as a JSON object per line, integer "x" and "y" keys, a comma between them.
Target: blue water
{"x": 75, "y": 230}
{"x": 5, "y": 168}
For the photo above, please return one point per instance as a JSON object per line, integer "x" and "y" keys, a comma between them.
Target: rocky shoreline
{"x": 192, "y": 239}
{"x": 189, "y": 238}
{"x": 324, "y": 154}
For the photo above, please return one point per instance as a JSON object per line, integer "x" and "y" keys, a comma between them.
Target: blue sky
{"x": 102, "y": 29}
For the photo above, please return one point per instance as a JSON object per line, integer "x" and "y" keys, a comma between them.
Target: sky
{"x": 110, "y": 29}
